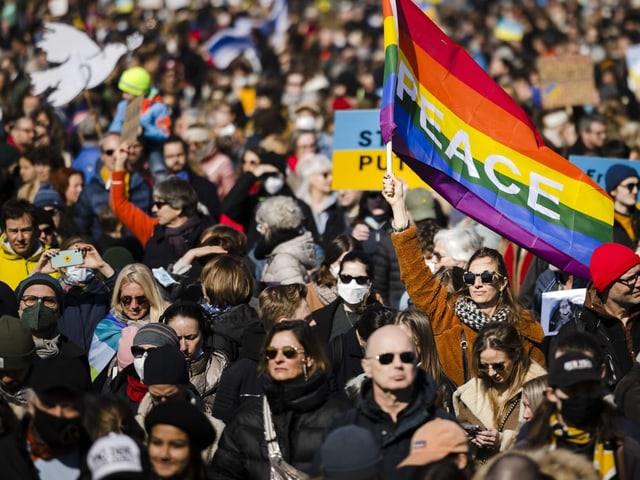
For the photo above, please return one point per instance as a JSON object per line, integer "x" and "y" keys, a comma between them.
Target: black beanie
{"x": 184, "y": 416}
{"x": 165, "y": 365}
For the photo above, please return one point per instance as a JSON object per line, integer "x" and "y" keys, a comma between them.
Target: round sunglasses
{"x": 485, "y": 277}
{"x": 289, "y": 352}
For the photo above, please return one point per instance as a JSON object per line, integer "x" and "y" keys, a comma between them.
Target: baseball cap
{"x": 572, "y": 368}
{"x": 435, "y": 440}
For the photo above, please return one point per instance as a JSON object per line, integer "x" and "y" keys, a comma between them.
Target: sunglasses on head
{"x": 485, "y": 277}
{"x": 387, "y": 358}
{"x": 360, "y": 280}
{"x": 288, "y": 351}
{"x": 498, "y": 367}
{"x": 127, "y": 299}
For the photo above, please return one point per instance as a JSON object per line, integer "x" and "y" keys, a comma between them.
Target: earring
{"x": 305, "y": 370}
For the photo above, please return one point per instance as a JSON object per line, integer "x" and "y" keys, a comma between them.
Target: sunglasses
{"x": 288, "y": 351}
{"x": 631, "y": 186}
{"x": 109, "y": 152}
{"x": 360, "y": 280}
{"x": 158, "y": 204}
{"x": 139, "y": 351}
{"x": 126, "y": 300}
{"x": 498, "y": 367}
{"x": 485, "y": 277}
{"x": 387, "y": 358}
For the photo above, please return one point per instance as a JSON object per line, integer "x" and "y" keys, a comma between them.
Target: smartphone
{"x": 471, "y": 430}
{"x": 67, "y": 258}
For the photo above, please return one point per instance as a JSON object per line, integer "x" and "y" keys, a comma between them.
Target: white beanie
{"x": 115, "y": 453}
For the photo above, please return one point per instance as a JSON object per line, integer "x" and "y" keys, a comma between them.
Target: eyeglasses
{"x": 31, "y": 300}
{"x": 109, "y": 151}
{"x": 600, "y": 133}
{"x": 360, "y": 280}
{"x": 498, "y": 367}
{"x": 126, "y": 300}
{"x": 158, "y": 204}
{"x": 387, "y": 358}
{"x": 631, "y": 186}
{"x": 630, "y": 281}
{"x": 485, "y": 277}
{"x": 288, "y": 351}
{"x": 139, "y": 351}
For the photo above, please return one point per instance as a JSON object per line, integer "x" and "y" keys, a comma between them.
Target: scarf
{"x": 176, "y": 236}
{"x": 467, "y": 311}
{"x": 105, "y": 174}
{"x": 46, "y": 347}
{"x": 18, "y": 398}
{"x": 604, "y": 460}
{"x": 325, "y": 294}
{"x": 135, "y": 389}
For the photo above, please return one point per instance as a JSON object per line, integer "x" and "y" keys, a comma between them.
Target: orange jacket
{"x": 138, "y": 222}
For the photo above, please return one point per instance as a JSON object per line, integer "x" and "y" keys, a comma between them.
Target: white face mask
{"x": 305, "y": 123}
{"x": 138, "y": 365}
{"x": 77, "y": 275}
{"x": 273, "y": 184}
{"x": 351, "y": 292}
{"x": 335, "y": 270}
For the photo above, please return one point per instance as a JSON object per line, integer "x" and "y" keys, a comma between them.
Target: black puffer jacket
{"x": 301, "y": 412}
{"x": 230, "y": 327}
{"x": 395, "y": 438}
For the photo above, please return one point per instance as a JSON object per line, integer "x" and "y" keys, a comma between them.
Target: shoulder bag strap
{"x": 269, "y": 430}
{"x": 465, "y": 358}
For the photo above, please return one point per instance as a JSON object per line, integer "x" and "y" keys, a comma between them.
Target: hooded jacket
{"x": 301, "y": 411}
{"x": 290, "y": 261}
{"x": 13, "y": 267}
{"x": 430, "y": 296}
{"x": 394, "y": 438}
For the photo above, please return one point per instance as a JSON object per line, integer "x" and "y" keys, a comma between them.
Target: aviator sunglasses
{"x": 485, "y": 277}
{"x": 498, "y": 367}
{"x": 288, "y": 351}
{"x": 387, "y": 358}
{"x": 141, "y": 300}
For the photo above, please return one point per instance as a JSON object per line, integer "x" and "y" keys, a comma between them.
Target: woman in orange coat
{"x": 456, "y": 319}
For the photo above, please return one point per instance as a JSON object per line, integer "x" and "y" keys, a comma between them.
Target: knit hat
{"x": 362, "y": 463}
{"x": 184, "y": 416}
{"x": 618, "y": 173}
{"x": 48, "y": 196}
{"x": 118, "y": 257}
{"x": 166, "y": 365}
{"x": 157, "y": 334}
{"x": 135, "y": 81}
{"x": 435, "y": 440}
{"x": 61, "y": 372}
{"x": 572, "y": 368}
{"x": 275, "y": 159}
{"x": 40, "y": 279}
{"x": 421, "y": 204}
{"x": 17, "y": 350}
{"x": 608, "y": 262}
{"x": 115, "y": 453}
{"x": 124, "y": 355}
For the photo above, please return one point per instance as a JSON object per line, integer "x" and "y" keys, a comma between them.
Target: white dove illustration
{"x": 79, "y": 62}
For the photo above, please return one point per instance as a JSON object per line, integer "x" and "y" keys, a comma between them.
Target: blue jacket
{"x": 86, "y": 161}
{"x": 95, "y": 198}
{"x": 154, "y": 120}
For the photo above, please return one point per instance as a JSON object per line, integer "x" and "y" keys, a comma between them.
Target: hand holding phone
{"x": 471, "y": 430}
{"x": 67, "y": 258}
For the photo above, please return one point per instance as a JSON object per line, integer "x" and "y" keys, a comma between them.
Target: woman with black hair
{"x": 178, "y": 433}
{"x": 194, "y": 331}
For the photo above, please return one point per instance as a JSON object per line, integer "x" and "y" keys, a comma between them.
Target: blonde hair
{"x": 140, "y": 274}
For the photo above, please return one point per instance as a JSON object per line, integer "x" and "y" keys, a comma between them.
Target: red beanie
{"x": 608, "y": 262}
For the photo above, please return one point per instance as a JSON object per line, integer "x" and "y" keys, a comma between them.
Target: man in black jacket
{"x": 395, "y": 400}
{"x": 612, "y": 308}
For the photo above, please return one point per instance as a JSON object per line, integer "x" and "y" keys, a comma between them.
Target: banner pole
{"x": 389, "y": 158}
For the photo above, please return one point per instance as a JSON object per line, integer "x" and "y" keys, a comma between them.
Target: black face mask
{"x": 57, "y": 432}
{"x": 582, "y": 409}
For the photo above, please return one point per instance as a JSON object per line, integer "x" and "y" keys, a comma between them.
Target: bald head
{"x": 390, "y": 338}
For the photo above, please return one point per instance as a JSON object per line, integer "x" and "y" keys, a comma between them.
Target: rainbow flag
{"x": 470, "y": 141}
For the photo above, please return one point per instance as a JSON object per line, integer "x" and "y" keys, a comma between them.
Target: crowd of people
{"x": 196, "y": 301}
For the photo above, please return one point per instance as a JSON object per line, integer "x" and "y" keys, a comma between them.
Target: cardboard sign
{"x": 131, "y": 123}
{"x": 359, "y": 154}
{"x": 567, "y": 80}
{"x": 596, "y": 167}
{"x": 560, "y": 307}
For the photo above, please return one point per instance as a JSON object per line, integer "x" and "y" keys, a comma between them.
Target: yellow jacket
{"x": 15, "y": 268}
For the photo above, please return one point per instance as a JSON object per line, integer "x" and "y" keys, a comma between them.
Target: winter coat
{"x": 301, "y": 411}
{"x": 472, "y": 405}
{"x": 429, "y": 295}
{"x": 620, "y": 235}
{"x": 205, "y": 374}
{"x": 230, "y": 327}
{"x": 95, "y": 198}
{"x": 386, "y": 272}
{"x": 617, "y": 341}
{"x": 394, "y": 438}
{"x": 627, "y": 395}
{"x": 290, "y": 261}
{"x": 13, "y": 267}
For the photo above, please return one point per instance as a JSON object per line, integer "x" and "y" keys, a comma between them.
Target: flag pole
{"x": 389, "y": 158}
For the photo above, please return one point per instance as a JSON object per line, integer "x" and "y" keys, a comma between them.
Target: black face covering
{"x": 581, "y": 410}
{"x": 57, "y": 432}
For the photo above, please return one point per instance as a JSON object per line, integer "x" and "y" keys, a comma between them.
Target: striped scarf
{"x": 604, "y": 460}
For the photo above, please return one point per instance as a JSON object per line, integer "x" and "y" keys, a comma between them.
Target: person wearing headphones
{"x": 194, "y": 331}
